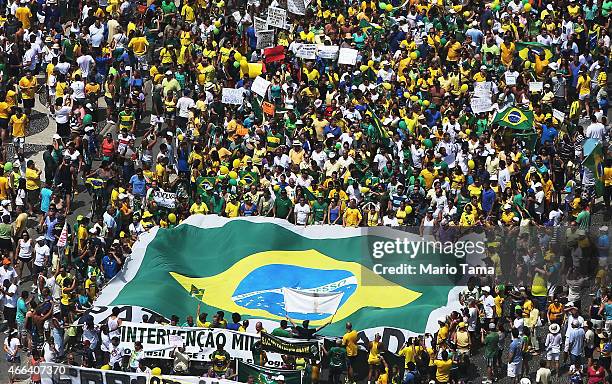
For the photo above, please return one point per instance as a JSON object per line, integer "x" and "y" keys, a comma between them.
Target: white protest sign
{"x": 176, "y": 341}
{"x": 277, "y": 17}
{"x": 260, "y": 24}
{"x": 480, "y": 105}
{"x": 253, "y": 2}
{"x": 232, "y": 96}
{"x": 536, "y": 86}
{"x": 328, "y": 51}
{"x": 237, "y": 16}
{"x": 483, "y": 89}
{"x": 558, "y": 115}
{"x": 260, "y": 86}
{"x": 199, "y": 343}
{"x": 307, "y": 51}
{"x": 347, "y": 56}
{"x": 164, "y": 199}
{"x": 296, "y": 7}
{"x": 511, "y": 78}
{"x": 265, "y": 39}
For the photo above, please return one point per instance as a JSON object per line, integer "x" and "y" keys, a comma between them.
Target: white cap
{"x": 89, "y": 129}
{"x": 56, "y": 136}
{"x": 486, "y": 289}
{"x": 525, "y": 380}
{"x": 40, "y": 238}
{"x": 603, "y": 228}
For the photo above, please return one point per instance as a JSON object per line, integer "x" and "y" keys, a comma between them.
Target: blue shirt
{"x": 548, "y": 134}
{"x": 110, "y": 267}
{"x": 516, "y": 350}
{"x": 45, "y": 199}
{"x": 576, "y": 341}
{"x": 138, "y": 185}
{"x": 488, "y": 198}
{"x": 50, "y": 223}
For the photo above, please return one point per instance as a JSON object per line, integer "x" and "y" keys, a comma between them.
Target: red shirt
{"x": 596, "y": 376}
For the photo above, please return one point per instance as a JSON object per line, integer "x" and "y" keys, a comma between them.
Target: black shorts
{"x": 4, "y": 123}
{"x": 33, "y": 196}
{"x": 6, "y": 245}
{"x": 25, "y": 259}
{"x": 63, "y": 129}
{"x": 351, "y": 361}
{"x": 28, "y": 103}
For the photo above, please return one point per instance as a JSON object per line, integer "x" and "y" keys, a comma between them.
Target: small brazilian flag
{"x": 515, "y": 118}
{"x": 528, "y": 50}
{"x": 204, "y": 183}
{"x": 249, "y": 177}
{"x": 309, "y": 194}
{"x": 379, "y": 131}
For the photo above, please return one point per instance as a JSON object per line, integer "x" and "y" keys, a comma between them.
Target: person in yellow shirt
{"x": 232, "y": 207}
{"x": 18, "y": 123}
{"x": 198, "y": 207}
{"x": 5, "y": 114}
{"x": 188, "y": 13}
{"x": 584, "y": 90}
{"x": 443, "y": 367}
{"x": 453, "y": 50}
{"x": 508, "y": 50}
{"x": 139, "y": 45}
{"x": 23, "y": 14}
{"x": 352, "y": 216}
{"x": 32, "y": 176}
{"x": 28, "y": 84}
{"x": 349, "y": 341}
{"x": 607, "y": 180}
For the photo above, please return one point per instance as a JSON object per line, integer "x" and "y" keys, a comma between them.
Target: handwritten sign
{"x": 307, "y": 51}
{"x": 267, "y": 108}
{"x": 558, "y": 115}
{"x": 232, "y": 96}
{"x": 511, "y": 78}
{"x": 297, "y": 7}
{"x": 277, "y": 17}
{"x": 480, "y": 105}
{"x": 265, "y": 39}
{"x": 260, "y": 86}
{"x": 176, "y": 341}
{"x": 347, "y": 56}
{"x": 260, "y": 24}
{"x": 164, "y": 199}
{"x": 536, "y": 86}
{"x": 328, "y": 51}
{"x": 482, "y": 89}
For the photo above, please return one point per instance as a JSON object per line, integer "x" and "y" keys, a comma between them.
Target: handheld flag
{"x": 63, "y": 238}
{"x": 307, "y": 302}
{"x": 593, "y": 160}
{"x": 515, "y": 118}
{"x": 527, "y": 50}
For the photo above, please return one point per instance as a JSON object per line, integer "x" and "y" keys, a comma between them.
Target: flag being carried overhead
{"x": 528, "y": 49}
{"x": 593, "y": 160}
{"x": 306, "y": 302}
{"x": 515, "y": 118}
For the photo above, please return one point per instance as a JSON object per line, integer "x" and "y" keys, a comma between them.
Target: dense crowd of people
{"x": 400, "y": 138}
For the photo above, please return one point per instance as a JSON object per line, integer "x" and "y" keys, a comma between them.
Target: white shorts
{"x": 514, "y": 369}
{"x": 583, "y": 97}
{"x": 552, "y": 356}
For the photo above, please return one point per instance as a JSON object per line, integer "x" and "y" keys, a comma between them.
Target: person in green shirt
{"x": 319, "y": 210}
{"x": 217, "y": 203}
{"x": 281, "y": 331}
{"x": 490, "y": 339}
{"x": 282, "y": 206}
{"x": 584, "y": 217}
{"x": 337, "y": 361}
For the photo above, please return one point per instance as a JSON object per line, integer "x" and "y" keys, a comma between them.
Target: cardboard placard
{"x": 536, "y": 86}
{"x": 328, "y": 51}
{"x": 307, "y": 51}
{"x": 511, "y": 78}
{"x": 260, "y": 24}
{"x": 265, "y": 39}
{"x": 558, "y": 115}
{"x": 347, "y": 56}
{"x": 297, "y": 7}
{"x": 260, "y": 86}
{"x": 268, "y": 108}
{"x": 232, "y": 96}
{"x": 277, "y": 17}
{"x": 480, "y": 105}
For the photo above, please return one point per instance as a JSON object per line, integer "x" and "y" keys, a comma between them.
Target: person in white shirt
{"x": 9, "y": 300}
{"x": 302, "y": 212}
{"x": 116, "y": 354}
{"x": 595, "y": 130}
{"x": 183, "y": 105}
{"x": 41, "y": 254}
{"x": 85, "y": 63}
{"x": 96, "y": 34}
{"x": 78, "y": 88}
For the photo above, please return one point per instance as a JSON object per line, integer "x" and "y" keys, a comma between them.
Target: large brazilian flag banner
{"x": 242, "y": 265}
